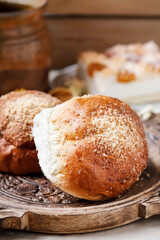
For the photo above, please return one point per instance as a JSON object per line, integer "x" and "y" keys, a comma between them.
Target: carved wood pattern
{"x": 39, "y": 190}
{"x": 33, "y": 189}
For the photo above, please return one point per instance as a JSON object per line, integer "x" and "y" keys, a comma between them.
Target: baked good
{"x": 92, "y": 147}
{"x": 128, "y": 72}
{"x": 62, "y": 93}
{"x": 17, "y": 149}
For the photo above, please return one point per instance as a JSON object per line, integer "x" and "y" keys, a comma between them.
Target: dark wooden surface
{"x": 28, "y": 203}
{"x": 78, "y": 25}
{"x": 105, "y": 7}
{"x": 72, "y": 35}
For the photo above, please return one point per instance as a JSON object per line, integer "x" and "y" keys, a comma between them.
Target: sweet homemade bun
{"x": 92, "y": 147}
{"x": 17, "y": 149}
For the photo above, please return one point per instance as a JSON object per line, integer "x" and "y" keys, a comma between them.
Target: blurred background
{"x": 77, "y": 25}
{"x": 41, "y": 36}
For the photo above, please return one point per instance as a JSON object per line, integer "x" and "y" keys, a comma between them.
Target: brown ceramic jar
{"x": 25, "y": 54}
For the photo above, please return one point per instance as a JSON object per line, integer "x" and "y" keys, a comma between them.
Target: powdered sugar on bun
{"x": 92, "y": 147}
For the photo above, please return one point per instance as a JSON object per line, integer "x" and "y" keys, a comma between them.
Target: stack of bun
{"x": 18, "y": 154}
{"x": 92, "y": 147}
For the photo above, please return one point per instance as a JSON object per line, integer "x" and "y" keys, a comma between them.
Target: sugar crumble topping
{"x": 24, "y": 108}
{"x": 19, "y": 110}
{"x": 109, "y": 131}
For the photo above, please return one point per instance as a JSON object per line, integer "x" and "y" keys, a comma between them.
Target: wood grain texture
{"x": 150, "y": 207}
{"x": 19, "y": 211}
{"x": 105, "y": 7}
{"x": 70, "y": 36}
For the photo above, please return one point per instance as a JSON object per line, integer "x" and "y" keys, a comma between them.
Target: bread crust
{"x": 101, "y": 147}
{"x": 17, "y": 149}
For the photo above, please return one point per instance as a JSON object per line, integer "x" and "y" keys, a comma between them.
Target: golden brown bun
{"x": 17, "y": 149}
{"x": 98, "y": 150}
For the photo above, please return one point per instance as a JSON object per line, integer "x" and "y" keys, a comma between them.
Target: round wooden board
{"x": 32, "y": 203}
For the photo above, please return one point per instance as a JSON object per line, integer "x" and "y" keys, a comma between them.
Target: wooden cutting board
{"x": 32, "y": 203}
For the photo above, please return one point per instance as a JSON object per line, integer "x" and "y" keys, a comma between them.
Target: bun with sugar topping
{"x": 18, "y": 154}
{"x": 92, "y": 147}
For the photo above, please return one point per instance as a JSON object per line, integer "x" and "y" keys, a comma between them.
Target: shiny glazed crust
{"x": 99, "y": 150}
{"x": 17, "y": 149}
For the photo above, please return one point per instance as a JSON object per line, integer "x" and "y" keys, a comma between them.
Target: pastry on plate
{"x": 17, "y": 149}
{"x": 128, "y": 72}
{"x": 92, "y": 147}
